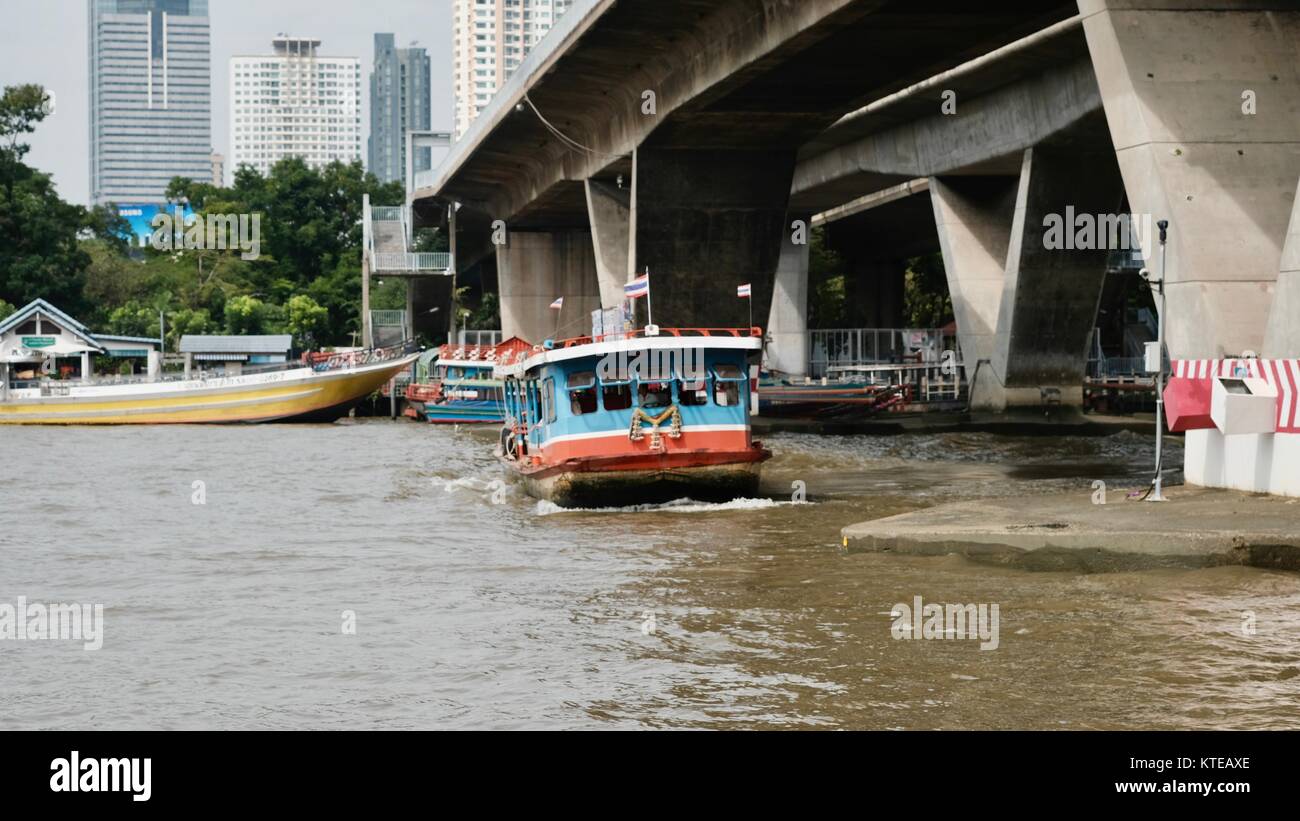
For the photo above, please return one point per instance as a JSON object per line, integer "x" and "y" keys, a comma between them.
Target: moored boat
{"x": 462, "y": 388}
{"x": 641, "y": 417}
{"x": 321, "y": 388}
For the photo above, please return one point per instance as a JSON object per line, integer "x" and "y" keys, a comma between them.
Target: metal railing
{"x": 386, "y": 213}
{"x": 484, "y": 338}
{"x": 424, "y": 179}
{"x": 839, "y": 347}
{"x": 432, "y": 261}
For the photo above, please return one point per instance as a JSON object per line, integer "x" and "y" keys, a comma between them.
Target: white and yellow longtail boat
{"x": 322, "y": 388}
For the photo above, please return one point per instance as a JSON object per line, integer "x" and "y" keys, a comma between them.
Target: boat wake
{"x": 545, "y": 508}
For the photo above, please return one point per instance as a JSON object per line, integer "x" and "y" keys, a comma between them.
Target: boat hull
{"x": 300, "y": 395}
{"x": 619, "y": 482}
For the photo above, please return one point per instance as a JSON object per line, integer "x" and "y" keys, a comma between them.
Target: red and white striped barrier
{"x": 1255, "y": 462}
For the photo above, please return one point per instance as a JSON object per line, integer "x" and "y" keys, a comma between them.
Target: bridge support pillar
{"x": 787, "y": 323}
{"x": 535, "y": 267}
{"x": 1050, "y": 284}
{"x": 704, "y": 221}
{"x": 1282, "y": 340}
{"x": 1202, "y": 98}
{"x": 610, "y": 210}
{"x": 974, "y": 217}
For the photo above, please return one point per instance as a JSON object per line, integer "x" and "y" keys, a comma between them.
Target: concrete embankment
{"x": 1197, "y": 527}
{"x": 1055, "y": 422}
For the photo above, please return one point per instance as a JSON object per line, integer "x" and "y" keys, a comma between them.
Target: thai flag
{"x": 742, "y": 291}
{"x": 638, "y": 287}
{"x": 558, "y": 303}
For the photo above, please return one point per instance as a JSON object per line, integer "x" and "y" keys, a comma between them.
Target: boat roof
{"x": 744, "y": 339}
{"x": 483, "y": 356}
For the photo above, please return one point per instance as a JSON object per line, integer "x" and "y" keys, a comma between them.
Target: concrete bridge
{"x": 688, "y": 136}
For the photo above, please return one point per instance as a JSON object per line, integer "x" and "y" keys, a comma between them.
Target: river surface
{"x": 475, "y": 606}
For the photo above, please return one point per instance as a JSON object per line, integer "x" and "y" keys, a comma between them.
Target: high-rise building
{"x": 150, "y": 97}
{"x": 490, "y": 40}
{"x": 218, "y": 169}
{"x": 399, "y": 102}
{"x": 294, "y": 102}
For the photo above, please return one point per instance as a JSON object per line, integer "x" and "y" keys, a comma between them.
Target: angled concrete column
{"x": 1050, "y": 293}
{"x": 610, "y": 211}
{"x": 535, "y": 267}
{"x": 1283, "y": 338}
{"x": 1178, "y": 79}
{"x": 787, "y": 324}
{"x": 974, "y": 217}
{"x": 705, "y": 221}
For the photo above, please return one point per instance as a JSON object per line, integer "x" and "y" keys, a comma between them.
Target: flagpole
{"x": 649, "y": 307}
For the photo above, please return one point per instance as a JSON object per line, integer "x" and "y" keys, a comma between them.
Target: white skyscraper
{"x": 150, "y": 98}
{"x": 491, "y": 38}
{"x": 294, "y": 103}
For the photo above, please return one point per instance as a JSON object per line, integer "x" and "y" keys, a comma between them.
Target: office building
{"x": 150, "y": 97}
{"x": 490, "y": 40}
{"x": 294, "y": 102}
{"x": 399, "y": 102}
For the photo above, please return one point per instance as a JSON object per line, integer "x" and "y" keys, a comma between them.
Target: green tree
{"x": 189, "y": 321}
{"x": 39, "y": 253}
{"x": 826, "y": 292}
{"x": 134, "y": 319}
{"x": 246, "y": 315}
{"x": 6, "y": 310}
{"x": 307, "y": 320}
{"x": 926, "y": 301}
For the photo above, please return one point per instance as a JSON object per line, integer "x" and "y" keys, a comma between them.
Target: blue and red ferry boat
{"x": 635, "y": 417}
{"x": 462, "y": 388}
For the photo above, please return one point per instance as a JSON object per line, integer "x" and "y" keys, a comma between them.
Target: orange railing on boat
{"x": 677, "y": 332}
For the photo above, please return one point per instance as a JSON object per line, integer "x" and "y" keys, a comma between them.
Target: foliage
{"x": 825, "y": 283}
{"x": 134, "y": 319}
{"x": 6, "y": 310}
{"x": 926, "y": 301}
{"x": 307, "y": 320}
{"x": 246, "y": 315}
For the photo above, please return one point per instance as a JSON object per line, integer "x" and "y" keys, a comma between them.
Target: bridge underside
{"x": 761, "y": 121}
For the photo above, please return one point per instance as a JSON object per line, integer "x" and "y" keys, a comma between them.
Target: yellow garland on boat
{"x": 656, "y": 438}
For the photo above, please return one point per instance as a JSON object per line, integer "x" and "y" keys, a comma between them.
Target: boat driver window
{"x": 693, "y": 391}
{"x": 655, "y": 394}
{"x": 617, "y": 397}
{"x": 726, "y": 385}
{"x": 582, "y": 392}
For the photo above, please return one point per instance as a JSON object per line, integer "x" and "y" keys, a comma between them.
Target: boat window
{"x": 726, "y": 394}
{"x": 582, "y": 392}
{"x": 726, "y": 384}
{"x": 548, "y": 399}
{"x": 693, "y": 392}
{"x": 580, "y": 379}
{"x": 655, "y": 394}
{"x": 617, "y": 397}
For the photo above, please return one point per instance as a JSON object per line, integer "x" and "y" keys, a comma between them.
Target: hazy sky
{"x": 44, "y": 41}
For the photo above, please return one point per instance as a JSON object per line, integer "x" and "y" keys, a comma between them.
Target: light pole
{"x": 1156, "y": 495}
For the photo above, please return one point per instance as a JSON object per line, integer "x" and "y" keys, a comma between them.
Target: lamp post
{"x": 1156, "y": 494}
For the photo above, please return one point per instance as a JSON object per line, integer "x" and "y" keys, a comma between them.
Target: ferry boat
{"x": 462, "y": 388}
{"x": 637, "y": 417}
{"x": 320, "y": 388}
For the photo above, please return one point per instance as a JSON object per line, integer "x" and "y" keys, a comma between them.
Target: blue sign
{"x": 141, "y": 217}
